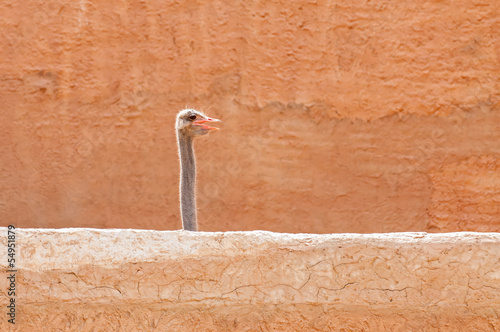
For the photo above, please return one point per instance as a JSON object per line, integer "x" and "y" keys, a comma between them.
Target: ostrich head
{"x": 193, "y": 123}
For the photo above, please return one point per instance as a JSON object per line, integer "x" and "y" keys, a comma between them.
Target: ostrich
{"x": 190, "y": 124}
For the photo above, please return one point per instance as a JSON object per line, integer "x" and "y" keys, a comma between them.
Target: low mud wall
{"x": 89, "y": 280}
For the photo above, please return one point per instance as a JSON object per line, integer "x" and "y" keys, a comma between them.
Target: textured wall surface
{"x": 133, "y": 280}
{"x": 338, "y": 116}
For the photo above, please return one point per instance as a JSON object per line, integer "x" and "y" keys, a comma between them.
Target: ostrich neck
{"x": 188, "y": 181}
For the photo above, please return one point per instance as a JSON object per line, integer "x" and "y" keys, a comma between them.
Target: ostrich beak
{"x": 207, "y": 119}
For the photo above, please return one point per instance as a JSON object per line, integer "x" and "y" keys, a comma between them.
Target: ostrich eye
{"x": 192, "y": 117}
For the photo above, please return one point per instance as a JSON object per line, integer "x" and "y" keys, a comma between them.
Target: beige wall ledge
{"x": 121, "y": 279}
